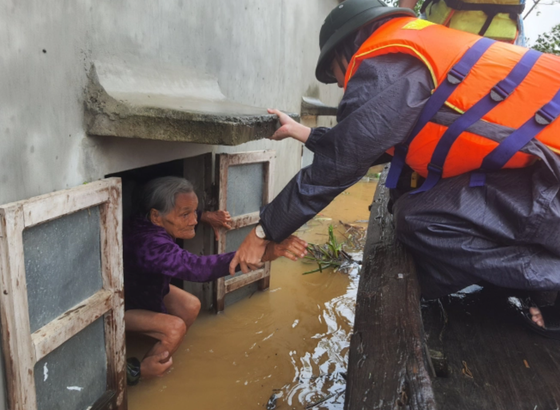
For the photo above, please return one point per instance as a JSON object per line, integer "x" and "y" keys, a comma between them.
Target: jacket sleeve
{"x": 316, "y": 134}
{"x": 162, "y": 255}
{"x": 380, "y": 106}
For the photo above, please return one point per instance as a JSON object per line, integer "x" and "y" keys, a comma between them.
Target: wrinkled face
{"x": 180, "y": 222}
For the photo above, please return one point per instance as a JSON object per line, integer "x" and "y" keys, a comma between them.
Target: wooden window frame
{"x": 224, "y": 286}
{"x": 23, "y": 349}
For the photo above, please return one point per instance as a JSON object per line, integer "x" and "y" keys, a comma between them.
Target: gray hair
{"x": 160, "y": 194}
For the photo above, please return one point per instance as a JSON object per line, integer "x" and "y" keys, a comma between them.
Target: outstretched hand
{"x": 289, "y": 128}
{"x": 292, "y": 248}
{"x": 249, "y": 254}
{"x": 217, "y": 220}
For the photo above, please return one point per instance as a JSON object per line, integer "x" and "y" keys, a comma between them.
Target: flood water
{"x": 284, "y": 348}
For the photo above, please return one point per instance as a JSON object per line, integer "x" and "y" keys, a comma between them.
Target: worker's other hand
{"x": 217, "y": 220}
{"x": 156, "y": 365}
{"x": 292, "y": 248}
{"x": 249, "y": 254}
{"x": 289, "y": 128}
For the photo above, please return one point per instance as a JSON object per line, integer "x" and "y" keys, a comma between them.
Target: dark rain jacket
{"x": 504, "y": 232}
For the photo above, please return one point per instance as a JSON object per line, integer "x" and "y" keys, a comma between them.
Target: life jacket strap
{"x": 426, "y": 4}
{"x": 500, "y": 92}
{"x": 454, "y": 77}
{"x": 500, "y": 155}
{"x": 487, "y": 22}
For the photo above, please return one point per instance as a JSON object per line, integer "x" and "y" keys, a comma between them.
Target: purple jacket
{"x": 152, "y": 259}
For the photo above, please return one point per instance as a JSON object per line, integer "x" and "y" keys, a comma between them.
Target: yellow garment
{"x": 503, "y": 27}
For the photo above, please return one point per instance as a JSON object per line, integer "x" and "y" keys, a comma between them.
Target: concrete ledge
{"x": 314, "y": 106}
{"x": 169, "y": 104}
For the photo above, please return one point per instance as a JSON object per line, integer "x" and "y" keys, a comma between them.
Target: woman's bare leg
{"x": 168, "y": 329}
{"x": 182, "y": 304}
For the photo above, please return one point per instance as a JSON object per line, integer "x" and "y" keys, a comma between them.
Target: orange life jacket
{"x": 505, "y": 84}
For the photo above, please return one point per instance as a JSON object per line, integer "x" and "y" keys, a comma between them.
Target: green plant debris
{"x": 333, "y": 254}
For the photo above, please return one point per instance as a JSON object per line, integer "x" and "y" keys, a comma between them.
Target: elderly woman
{"x": 152, "y": 258}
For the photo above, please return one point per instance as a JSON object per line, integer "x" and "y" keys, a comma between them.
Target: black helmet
{"x": 345, "y": 19}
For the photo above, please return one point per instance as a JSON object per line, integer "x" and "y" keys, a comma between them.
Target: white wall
{"x": 263, "y": 54}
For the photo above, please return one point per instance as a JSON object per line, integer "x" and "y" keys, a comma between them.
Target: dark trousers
{"x": 506, "y": 233}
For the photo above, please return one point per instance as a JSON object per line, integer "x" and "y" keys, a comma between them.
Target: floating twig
{"x": 337, "y": 394}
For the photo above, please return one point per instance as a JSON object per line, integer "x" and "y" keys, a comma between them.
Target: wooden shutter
{"x": 61, "y": 299}
{"x": 245, "y": 184}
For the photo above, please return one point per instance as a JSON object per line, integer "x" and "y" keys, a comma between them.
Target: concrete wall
{"x": 263, "y": 53}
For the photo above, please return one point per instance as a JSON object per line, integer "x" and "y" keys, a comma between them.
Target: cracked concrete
{"x": 169, "y": 105}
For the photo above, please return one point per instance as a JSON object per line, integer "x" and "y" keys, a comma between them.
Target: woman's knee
{"x": 175, "y": 329}
{"x": 194, "y": 305}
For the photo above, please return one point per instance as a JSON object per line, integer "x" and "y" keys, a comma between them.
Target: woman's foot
{"x": 536, "y": 316}
{"x": 544, "y": 320}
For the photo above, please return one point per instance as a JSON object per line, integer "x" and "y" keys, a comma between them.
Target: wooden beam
{"x": 245, "y": 220}
{"x": 223, "y": 162}
{"x": 112, "y": 271}
{"x": 21, "y": 349}
{"x": 58, "y": 331}
{"x": 243, "y": 280}
{"x": 19, "y": 355}
{"x": 264, "y": 282}
{"x": 387, "y": 367}
{"x": 219, "y": 295}
{"x": 249, "y": 157}
{"x": 65, "y": 202}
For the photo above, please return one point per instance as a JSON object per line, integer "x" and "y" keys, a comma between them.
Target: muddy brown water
{"x": 284, "y": 348}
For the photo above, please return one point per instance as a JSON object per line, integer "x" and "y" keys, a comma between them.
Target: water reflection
{"x": 320, "y": 376}
{"x": 286, "y": 348}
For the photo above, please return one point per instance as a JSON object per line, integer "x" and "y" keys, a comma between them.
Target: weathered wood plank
{"x": 21, "y": 349}
{"x": 245, "y": 220}
{"x": 56, "y": 204}
{"x": 19, "y": 355}
{"x": 248, "y": 157}
{"x": 493, "y": 361}
{"x": 223, "y": 286}
{"x": 244, "y": 280}
{"x": 56, "y": 332}
{"x": 268, "y": 196}
{"x": 112, "y": 270}
{"x": 387, "y": 366}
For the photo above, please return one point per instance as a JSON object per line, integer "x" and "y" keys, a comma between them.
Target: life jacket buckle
{"x": 435, "y": 168}
{"x": 498, "y": 93}
{"x": 542, "y": 117}
{"x": 454, "y": 76}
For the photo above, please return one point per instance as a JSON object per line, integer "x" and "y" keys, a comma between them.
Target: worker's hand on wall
{"x": 292, "y": 248}
{"x": 249, "y": 254}
{"x": 289, "y": 128}
{"x": 217, "y": 220}
{"x": 152, "y": 366}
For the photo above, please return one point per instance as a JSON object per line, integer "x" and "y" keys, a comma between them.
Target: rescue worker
{"x": 500, "y": 20}
{"x": 410, "y": 90}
